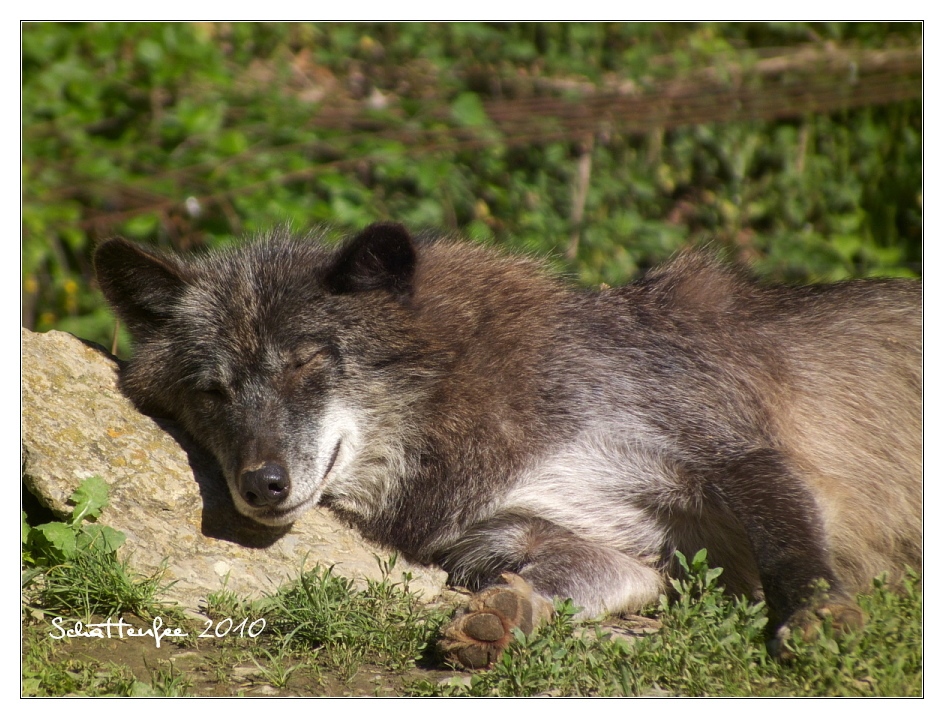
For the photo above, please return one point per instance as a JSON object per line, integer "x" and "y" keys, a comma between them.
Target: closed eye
{"x": 215, "y": 393}
{"x": 312, "y": 358}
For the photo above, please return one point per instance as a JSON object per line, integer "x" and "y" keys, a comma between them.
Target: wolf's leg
{"x": 789, "y": 543}
{"x": 550, "y": 562}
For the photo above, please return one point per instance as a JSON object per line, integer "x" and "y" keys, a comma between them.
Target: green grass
{"x": 44, "y": 675}
{"x": 384, "y": 624}
{"x": 712, "y": 644}
{"x": 47, "y": 675}
{"x": 325, "y": 634}
{"x": 99, "y": 584}
{"x": 71, "y": 567}
{"x": 168, "y": 681}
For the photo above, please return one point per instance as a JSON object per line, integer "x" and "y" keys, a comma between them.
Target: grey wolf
{"x": 539, "y": 441}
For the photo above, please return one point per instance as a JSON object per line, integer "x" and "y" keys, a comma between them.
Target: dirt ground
{"x": 236, "y": 666}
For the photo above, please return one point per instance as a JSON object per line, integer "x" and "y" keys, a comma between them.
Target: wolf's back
{"x": 854, "y": 424}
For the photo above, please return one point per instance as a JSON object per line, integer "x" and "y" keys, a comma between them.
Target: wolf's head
{"x": 280, "y": 357}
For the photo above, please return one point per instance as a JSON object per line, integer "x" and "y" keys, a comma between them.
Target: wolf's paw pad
{"x": 478, "y": 635}
{"x": 841, "y": 613}
{"x": 845, "y": 616}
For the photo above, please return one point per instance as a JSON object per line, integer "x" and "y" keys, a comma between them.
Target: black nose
{"x": 265, "y": 487}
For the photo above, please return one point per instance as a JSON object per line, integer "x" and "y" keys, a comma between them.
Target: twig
{"x": 581, "y": 188}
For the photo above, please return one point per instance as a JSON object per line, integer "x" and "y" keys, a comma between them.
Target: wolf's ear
{"x": 142, "y": 286}
{"x": 381, "y": 257}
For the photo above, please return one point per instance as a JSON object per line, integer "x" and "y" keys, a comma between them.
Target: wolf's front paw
{"x": 841, "y": 612}
{"x": 478, "y": 635}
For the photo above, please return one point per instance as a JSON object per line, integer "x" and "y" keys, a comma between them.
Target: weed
{"x": 710, "y": 644}
{"x": 97, "y": 584}
{"x": 168, "y": 681}
{"x": 57, "y": 542}
{"x": 384, "y": 623}
{"x": 44, "y": 677}
{"x": 277, "y": 671}
{"x": 226, "y": 603}
{"x": 72, "y": 567}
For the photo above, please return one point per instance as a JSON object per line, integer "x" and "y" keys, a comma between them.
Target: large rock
{"x": 167, "y": 496}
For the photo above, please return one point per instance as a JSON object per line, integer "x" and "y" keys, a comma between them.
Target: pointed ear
{"x": 142, "y": 286}
{"x": 381, "y": 257}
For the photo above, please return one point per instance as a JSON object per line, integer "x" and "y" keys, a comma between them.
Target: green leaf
{"x": 143, "y": 225}
{"x": 150, "y": 52}
{"x": 89, "y": 499}
{"x": 468, "y": 111}
{"x": 54, "y": 540}
{"x": 233, "y": 142}
{"x": 99, "y": 538}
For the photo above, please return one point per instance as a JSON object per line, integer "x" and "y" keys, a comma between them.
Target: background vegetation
{"x": 188, "y": 135}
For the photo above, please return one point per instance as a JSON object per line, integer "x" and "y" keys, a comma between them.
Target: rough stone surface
{"x": 167, "y": 496}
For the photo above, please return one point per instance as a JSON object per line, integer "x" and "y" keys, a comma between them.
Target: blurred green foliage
{"x": 123, "y": 122}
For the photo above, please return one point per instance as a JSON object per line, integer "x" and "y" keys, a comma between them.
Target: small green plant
{"x": 384, "y": 623}
{"x": 45, "y": 676}
{"x": 168, "y": 681}
{"x": 53, "y": 543}
{"x": 74, "y": 564}
{"x": 711, "y": 644}
{"x": 226, "y": 603}
{"x": 99, "y": 584}
{"x": 884, "y": 659}
{"x": 277, "y": 671}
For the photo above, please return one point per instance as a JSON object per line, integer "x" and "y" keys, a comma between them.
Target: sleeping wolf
{"x": 538, "y": 441}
